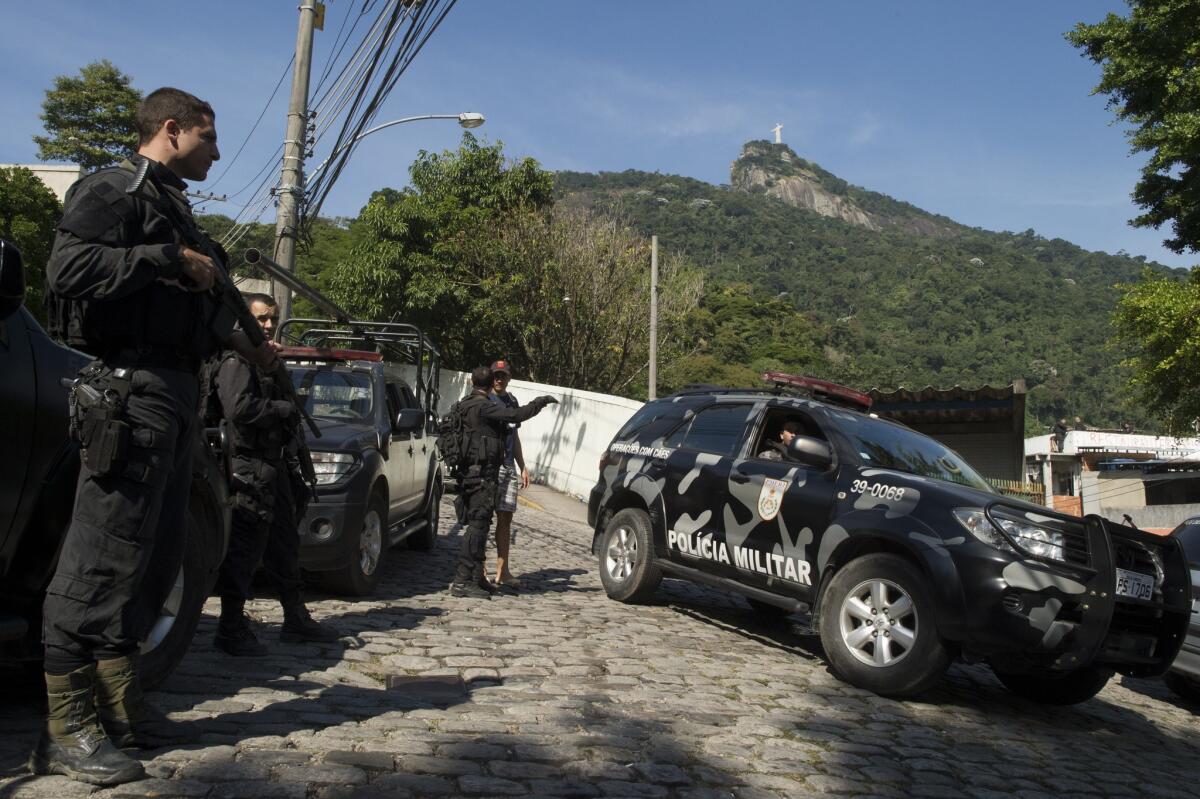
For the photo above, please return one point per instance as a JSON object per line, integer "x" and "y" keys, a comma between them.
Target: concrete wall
{"x": 564, "y": 442}
{"x": 57, "y": 177}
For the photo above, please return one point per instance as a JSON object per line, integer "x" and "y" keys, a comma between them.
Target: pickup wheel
{"x": 360, "y": 575}
{"x": 1068, "y": 689}
{"x": 424, "y": 539}
{"x": 877, "y": 627}
{"x": 171, "y": 635}
{"x": 627, "y": 567}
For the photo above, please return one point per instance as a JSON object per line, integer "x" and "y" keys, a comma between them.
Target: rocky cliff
{"x": 774, "y": 169}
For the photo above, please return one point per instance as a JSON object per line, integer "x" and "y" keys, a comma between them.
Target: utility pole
{"x": 653, "y": 379}
{"x": 291, "y": 176}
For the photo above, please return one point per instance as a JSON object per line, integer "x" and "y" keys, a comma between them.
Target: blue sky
{"x": 979, "y": 111}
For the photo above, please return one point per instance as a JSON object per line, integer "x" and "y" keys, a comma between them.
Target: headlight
{"x": 1030, "y": 537}
{"x": 332, "y": 466}
{"x": 977, "y": 524}
{"x": 1033, "y": 539}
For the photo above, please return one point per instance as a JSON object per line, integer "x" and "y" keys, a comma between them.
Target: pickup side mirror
{"x": 810, "y": 451}
{"x": 408, "y": 420}
{"x": 12, "y": 279}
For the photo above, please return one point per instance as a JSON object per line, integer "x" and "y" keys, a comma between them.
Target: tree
{"x": 1149, "y": 72}
{"x": 1159, "y": 317}
{"x": 476, "y": 254}
{"x": 90, "y": 118}
{"x": 29, "y": 212}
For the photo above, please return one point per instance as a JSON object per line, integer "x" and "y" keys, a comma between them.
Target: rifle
{"x": 230, "y": 300}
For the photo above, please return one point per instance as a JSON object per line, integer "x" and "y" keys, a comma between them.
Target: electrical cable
{"x": 254, "y": 127}
{"x": 425, "y": 21}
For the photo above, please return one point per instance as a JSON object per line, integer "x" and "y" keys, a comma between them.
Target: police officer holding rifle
{"x": 129, "y": 282}
{"x": 268, "y": 488}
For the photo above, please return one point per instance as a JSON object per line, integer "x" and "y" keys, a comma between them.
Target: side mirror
{"x": 810, "y": 451}
{"x": 12, "y": 279}
{"x": 409, "y": 420}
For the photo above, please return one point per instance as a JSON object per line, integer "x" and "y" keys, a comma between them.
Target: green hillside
{"x": 884, "y": 307}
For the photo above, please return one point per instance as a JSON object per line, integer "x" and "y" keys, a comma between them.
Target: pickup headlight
{"x": 333, "y": 466}
{"x": 1032, "y": 538}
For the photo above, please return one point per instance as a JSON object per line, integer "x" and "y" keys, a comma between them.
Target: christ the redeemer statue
{"x": 778, "y": 131}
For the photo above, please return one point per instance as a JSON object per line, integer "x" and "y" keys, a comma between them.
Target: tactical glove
{"x": 543, "y": 401}
{"x": 285, "y": 410}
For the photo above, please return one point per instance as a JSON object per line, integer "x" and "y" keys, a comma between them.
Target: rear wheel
{"x": 171, "y": 634}
{"x": 360, "y": 575}
{"x": 1068, "y": 689}
{"x": 627, "y": 567}
{"x": 424, "y": 539}
{"x": 877, "y": 627}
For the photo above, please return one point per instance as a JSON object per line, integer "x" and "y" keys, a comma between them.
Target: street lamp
{"x": 467, "y": 119}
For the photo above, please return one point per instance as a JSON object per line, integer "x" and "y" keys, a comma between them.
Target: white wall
{"x": 564, "y": 442}
{"x": 57, "y": 177}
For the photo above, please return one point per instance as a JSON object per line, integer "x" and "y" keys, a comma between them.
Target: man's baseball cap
{"x": 502, "y": 366}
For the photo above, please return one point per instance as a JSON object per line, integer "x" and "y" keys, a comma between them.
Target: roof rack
{"x": 822, "y": 390}
{"x": 397, "y": 342}
{"x": 327, "y": 354}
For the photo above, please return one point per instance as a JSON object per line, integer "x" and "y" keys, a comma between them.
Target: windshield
{"x": 884, "y": 445}
{"x": 330, "y": 393}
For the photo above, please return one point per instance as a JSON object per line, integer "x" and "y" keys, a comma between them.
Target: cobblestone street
{"x": 566, "y": 693}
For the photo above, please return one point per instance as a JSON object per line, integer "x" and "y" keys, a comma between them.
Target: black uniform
{"x": 109, "y": 281}
{"x": 487, "y": 423}
{"x": 265, "y": 483}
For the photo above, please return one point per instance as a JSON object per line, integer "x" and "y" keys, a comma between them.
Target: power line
{"x": 254, "y": 127}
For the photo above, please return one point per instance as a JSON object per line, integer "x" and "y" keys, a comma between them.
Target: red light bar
{"x": 821, "y": 388}
{"x": 327, "y": 354}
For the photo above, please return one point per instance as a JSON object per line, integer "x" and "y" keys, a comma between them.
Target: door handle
{"x": 738, "y": 476}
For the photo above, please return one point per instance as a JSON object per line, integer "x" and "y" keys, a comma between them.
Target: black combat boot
{"x": 73, "y": 743}
{"x": 124, "y": 712}
{"x": 299, "y": 626}
{"x": 234, "y": 637}
{"x": 472, "y": 590}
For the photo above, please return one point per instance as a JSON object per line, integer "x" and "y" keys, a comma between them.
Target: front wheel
{"x": 1065, "y": 689}
{"x": 627, "y": 567}
{"x": 360, "y": 575}
{"x": 877, "y": 627}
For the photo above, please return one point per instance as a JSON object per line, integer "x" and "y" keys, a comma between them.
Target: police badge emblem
{"x": 770, "y": 498}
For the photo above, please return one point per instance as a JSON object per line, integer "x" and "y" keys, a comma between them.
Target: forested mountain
{"x": 807, "y": 272}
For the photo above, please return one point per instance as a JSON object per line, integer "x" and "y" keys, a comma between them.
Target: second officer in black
{"x": 486, "y": 425}
{"x": 269, "y": 495}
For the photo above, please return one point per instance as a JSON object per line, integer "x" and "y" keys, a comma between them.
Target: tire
{"x": 168, "y": 640}
{"x": 1069, "y": 689}
{"x": 368, "y": 550}
{"x": 766, "y": 612}
{"x": 424, "y": 539}
{"x": 877, "y": 627}
{"x": 627, "y": 567}
{"x": 1184, "y": 687}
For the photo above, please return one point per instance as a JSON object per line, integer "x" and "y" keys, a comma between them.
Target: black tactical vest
{"x": 163, "y": 322}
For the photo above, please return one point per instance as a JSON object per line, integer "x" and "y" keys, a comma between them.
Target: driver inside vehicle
{"x": 775, "y": 449}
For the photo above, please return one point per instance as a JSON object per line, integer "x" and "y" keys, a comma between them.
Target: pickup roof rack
{"x": 393, "y": 342}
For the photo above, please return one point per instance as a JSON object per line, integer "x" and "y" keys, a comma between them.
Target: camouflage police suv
{"x": 904, "y": 555}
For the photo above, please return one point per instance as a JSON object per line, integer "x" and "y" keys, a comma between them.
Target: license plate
{"x": 1135, "y": 585}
